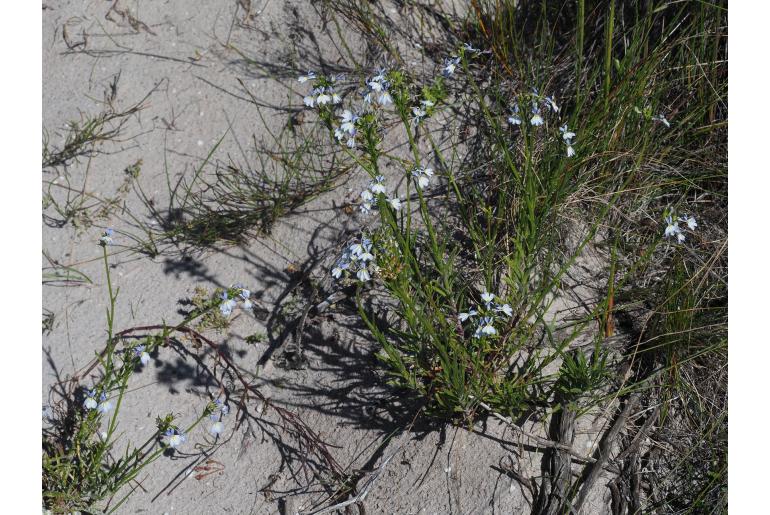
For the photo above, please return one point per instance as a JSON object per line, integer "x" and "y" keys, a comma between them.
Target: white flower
{"x": 309, "y": 100}
{"x": 348, "y": 120}
{"x": 339, "y": 134}
{"x": 487, "y": 297}
{"x": 385, "y": 98}
{"x": 485, "y": 328}
{"x": 106, "y": 238}
{"x": 672, "y": 229}
{"x": 216, "y": 428}
{"x": 144, "y": 358}
{"x": 247, "y": 304}
{"x": 690, "y": 221}
{"x": 505, "y": 308}
{"x": 227, "y": 306}
{"x": 423, "y": 176}
{"x": 566, "y": 134}
{"x": 323, "y": 99}
{"x": 336, "y": 272}
{"x": 90, "y": 403}
{"x": 174, "y": 438}
{"x": 395, "y": 203}
{"x": 104, "y": 407}
{"x": 662, "y": 119}
{"x": 536, "y": 119}
{"x": 570, "y": 150}
{"x": 304, "y": 78}
{"x": 363, "y": 275}
{"x": 351, "y": 142}
{"x": 336, "y": 99}
{"x": 376, "y": 86}
{"x": 367, "y": 196}
{"x": 465, "y": 316}
{"x": 450, "y": 65}
{"x": 366, "y": 208}
{"x": 419, "y": 113}
{"x": 377, "y": 185}
{"x": 550, "y": 104}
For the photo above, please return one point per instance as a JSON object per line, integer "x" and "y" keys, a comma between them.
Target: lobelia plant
{"x": 493, "y": 234}
{"x": 85, "y": 460}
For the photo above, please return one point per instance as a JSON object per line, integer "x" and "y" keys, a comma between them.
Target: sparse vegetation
{"x": 542, "y": 236}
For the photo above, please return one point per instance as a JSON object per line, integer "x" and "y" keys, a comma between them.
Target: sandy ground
{"x": 176, "y": 49}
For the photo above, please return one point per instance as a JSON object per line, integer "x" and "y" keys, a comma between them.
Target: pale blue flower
{"x": 690, "y": 221}
{"x": 485, "y": 328}
{"x": 537, "y": 119}
{"x": 566, "y": 134}
{"x": 378, "y": 186}
{"x": 227, "y": 305}
{"x": 673, "y": 229}
{"x": 465, "y": 316}
{"x": 505, "y": 308}
{"x": 551, "y": 105}
{"x": 450, "y": 65}
{"x": 139, "y": 352}
{"x": 363, "y": 275}
{"x": 174, "y": 438}
{"x": 514, "y": 118}
{"x": 106, "y": 238}
{"x": 304, "y": 78}
{"x": 323, "y": 97}
{"x": 104, "y": 407}
{"x": 90, "y": 402}
{"x": 423, "y": 176}
{"x": 487, "y": 298}
{"x": 216, "y": 428}
{"x": 348, "y": 122}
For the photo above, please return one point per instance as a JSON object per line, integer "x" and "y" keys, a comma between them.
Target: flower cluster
{"x": 488, "y": 315}
{"x": 321, "y": 94}
{"x": 421, "y": 111}
{"x": 377, "y": 89}
{"x": 141, "y": 353}
{"x": 376, "y": 188}
{"x": 422, "y": 175}
{"x": 347, "y": 129}
{"x": 450, "y": 66}
{"x": 102, "y": 405}
{"x": 538, "y": 103}
{"x": 173, "y": 437}
{"x": 567, "y": 136}
{"x": 356, "y": 259}
{"x": 218, "y": 413}
{"x": 672, "y": 226}
{"x": 229, "y": 303}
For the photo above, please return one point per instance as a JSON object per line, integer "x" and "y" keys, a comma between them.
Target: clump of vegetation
{"x": 583, "y": 126}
